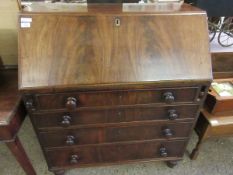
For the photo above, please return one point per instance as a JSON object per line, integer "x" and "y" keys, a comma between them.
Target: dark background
{"x": 214, "y": 8}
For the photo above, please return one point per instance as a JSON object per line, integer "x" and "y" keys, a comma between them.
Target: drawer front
{"x": 114, "y": 153}
{"x": 86, "y": 136}
{"x": 114, "y": 98}
{"x": 114, "y": 115}
{"x": 215, "y": 105}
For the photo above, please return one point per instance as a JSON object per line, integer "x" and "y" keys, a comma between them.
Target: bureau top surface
{"x": 109, "y": 8}
{"x": 76, "y": 50}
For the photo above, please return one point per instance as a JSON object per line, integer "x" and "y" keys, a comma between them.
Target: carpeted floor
{"x": 216, "y": 158}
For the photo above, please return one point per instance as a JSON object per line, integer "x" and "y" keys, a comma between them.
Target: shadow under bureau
{"x": 107, "y": 86}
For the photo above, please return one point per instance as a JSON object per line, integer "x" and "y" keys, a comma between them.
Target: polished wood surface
{"x": 76, "y": 157}
{"x": 222, "y": 65}
{"x": 224, "y": 118}
{"x": 107, "y": 134}
{"x": 91, "y": 50}
{"x": 12, "y": 114}
{"x": 223, "y": 72}
{"x": 215, "y": 103}
{"x": 116, "y": 98}
{"x": 107, "y": 86}
{"x": 110, "y": 116}
{"x": 69, "y": 128}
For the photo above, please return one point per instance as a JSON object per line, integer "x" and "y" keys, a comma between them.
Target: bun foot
{"x": 59, "y": 172}
{"x": 194, "y": 154}
{"x": 172, "y": 163}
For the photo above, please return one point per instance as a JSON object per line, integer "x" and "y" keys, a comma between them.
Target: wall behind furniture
{"x": 8, "y": 31}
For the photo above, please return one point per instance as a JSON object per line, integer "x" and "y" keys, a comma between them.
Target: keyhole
{"x": 117, "y": 22}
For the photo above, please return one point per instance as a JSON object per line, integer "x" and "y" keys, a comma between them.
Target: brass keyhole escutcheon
{"x": 117, "y": 22}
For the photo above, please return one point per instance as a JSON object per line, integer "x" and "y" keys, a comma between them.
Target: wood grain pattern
{"x": 115, "y": 98}
{"x": 222, "y": 65}
{"x": 111, "y": 86}
{"x": 222, "y": 62}
{"x": 223, "y": 130}
{"x": 107, "y": 134}
{"x": 106, "y": 116}
{"x": 89, "y": 156}
{"x": 90, "y": 50}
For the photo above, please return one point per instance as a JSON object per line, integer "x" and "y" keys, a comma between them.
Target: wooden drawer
{"x": 115, "y": 153}
{"x": 99, "y": 116}
{"x": 72, "y": 101}
{"x": 100, "y": 135}
{"x": 215, "y": 103}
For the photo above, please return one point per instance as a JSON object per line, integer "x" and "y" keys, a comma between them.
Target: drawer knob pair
{"x": 168, "y": 97}
{"x": 71, "y": 103}
{"x": 167, "y": 133}
{"x": 66, "y": 121}
{"x": 74, "y": 159}
{"x": 163, "y": 152}
{"x": 70, "y": 140}
{"x": 172, "y": 114}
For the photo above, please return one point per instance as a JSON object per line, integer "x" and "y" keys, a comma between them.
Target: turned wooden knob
{"x": 29, "y": 104}
{"x": 74, "y": 159}
{"x": 202, "y": 94}
{"x": 167, "y": 133}
{"x": 66, "y": 121}
{"x": 163, "y": 152}
{"x": 71, "y": 103}
{"x": 168, "y": 97}
{"x": 172, "y": 114}
{"x": 70, "y": 140}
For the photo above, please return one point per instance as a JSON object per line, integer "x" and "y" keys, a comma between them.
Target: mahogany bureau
{"x": 109, "y": 85}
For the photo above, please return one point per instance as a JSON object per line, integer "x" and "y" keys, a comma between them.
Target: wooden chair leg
{"x": 195, "y": 151}
{"x": 201, "y": 139}
{"x": 18, "y": 151}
